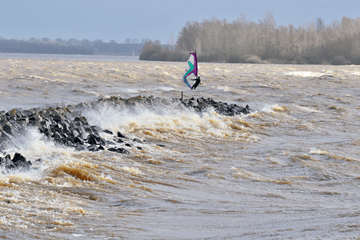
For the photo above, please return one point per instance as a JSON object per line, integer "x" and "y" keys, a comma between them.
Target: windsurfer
{"x": 196, "y": 83}
{"x": 191, "y": 71}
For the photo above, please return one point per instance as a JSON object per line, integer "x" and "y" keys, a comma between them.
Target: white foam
{"x": 306, "y": 109}
{"x": 56, "y": 81}
{"x": 37, "y": 77}
{"x": 165, "y": 88}
{"x": 33, "y": 145}
{"x": 130, "y": 90}
{"x": 269, "y": 108}
{"x": 224, "y": 88}
{"x": 160, "y": 120}
{"x": 132, "y": 170}
{"x": 87, "y": 92}
{"x": 116, "y": 118}
{"x": 318, "y": 151}
{"x": 307, "y": 74}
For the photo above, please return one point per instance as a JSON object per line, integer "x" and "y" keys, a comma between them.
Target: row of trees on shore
{"x": 21, "y": 46}
{"x": 244, "y": 41}
{"x": 71, "y": 46}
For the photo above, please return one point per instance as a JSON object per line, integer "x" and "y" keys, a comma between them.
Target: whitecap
{"x": 131, "y": 90}
{"x": 224, "y": 88}
{"x": 307, "y": 74}
{"x": 37, "y": 77}
{"x": 306, "y": 109}
{"x": 165, "y": 88}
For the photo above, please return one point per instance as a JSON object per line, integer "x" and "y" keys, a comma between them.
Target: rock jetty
{"x": 67, "y": 126}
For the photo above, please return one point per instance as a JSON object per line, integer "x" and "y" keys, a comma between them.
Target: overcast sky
{"x": 155, "y": 19}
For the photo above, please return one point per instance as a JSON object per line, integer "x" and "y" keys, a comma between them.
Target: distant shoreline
{"x": 72, "y": 46}
{"x": 95, "y": 57}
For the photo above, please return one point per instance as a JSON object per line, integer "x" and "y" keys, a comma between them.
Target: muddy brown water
{"x": 290, "y": 169}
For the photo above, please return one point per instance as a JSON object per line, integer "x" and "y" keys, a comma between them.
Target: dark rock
{"x": 120, "y": 135}
{"x": 76, "y": 124}
{"x": 246, "y": 110}
{"x": 76, "y": 140}
{"x": 96, "y": 129}
{"x": 80, "y": 147}
{"x": 119, "y": 150}
{"x": 45, "y": 124}
{"x": 94, "y": 148}
{"x": 5, "y": 161}
{"x": 127, "y": 144}
{"x": 108, "y": 131}
{"x": 95, "y": 140}
{"x": 65, "y": 126}
{"x": 23, "y": 120}
{"x": 139, "y": 148}
{"x": 47, "y": 132}
{"x": 8, "y": 128}
{"x": 18, "y": 158}
{"x": 82, "y": 133}
{"x": 20, "y": 161}
{"x": 58, "y": 128}
{"x": 109, "y": 143}
{"x": 160, "y": 145}
{"x": 88, "y": 129}
{"x": 137, "y": 140}
{"x": 14, "y": 113}
{"x": 68, "y": 142}
{"x": 81, "y": 119}
{"x": 58, "y": 118}
{"x": 35, "y": 118}
{"x": 75, "y": 133}
{"x": 83, "y": 105}
{"x": 119, "y": 141}
{"x": 57, "y": 135}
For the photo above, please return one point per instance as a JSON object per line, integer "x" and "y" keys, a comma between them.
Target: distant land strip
{"x": 72, "y": 46}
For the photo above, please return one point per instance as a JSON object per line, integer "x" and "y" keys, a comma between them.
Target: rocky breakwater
{"x": 201, "y": 104}
{"x": 68, "y": 127}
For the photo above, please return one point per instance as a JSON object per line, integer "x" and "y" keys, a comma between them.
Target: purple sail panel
{"x": 195, "y": 63}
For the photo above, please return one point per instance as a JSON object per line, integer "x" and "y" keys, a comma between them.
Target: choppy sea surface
{"x": 288, "y": 170}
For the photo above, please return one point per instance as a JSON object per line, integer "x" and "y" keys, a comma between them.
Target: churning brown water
{"x": 290, "y": 169}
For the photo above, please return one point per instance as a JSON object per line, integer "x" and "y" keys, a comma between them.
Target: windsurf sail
{"x": 191, "y": 71}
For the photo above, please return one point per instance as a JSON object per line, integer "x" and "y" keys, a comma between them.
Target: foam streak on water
{"x": 290, "y": 169}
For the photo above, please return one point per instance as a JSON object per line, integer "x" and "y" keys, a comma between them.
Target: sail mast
{"x": 196, "y": 64}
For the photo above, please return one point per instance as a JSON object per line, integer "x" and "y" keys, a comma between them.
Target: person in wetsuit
{"x": 196, "y": 83}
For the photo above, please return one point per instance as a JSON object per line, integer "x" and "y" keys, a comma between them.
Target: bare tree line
{"x": 244, "y": 41}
